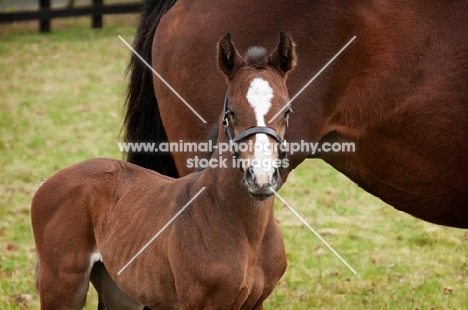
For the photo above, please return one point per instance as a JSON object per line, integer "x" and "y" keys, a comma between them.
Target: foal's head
{"x": 256, "y": 93}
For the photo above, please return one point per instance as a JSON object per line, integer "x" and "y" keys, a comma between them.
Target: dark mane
{"x": 256, "y": 56}
{"x": 142, "y": 122}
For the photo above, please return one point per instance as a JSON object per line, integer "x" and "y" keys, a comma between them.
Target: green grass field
{"x": 61, "y": 98}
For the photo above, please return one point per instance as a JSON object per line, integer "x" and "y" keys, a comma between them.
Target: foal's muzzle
{"x": 260, "y": 186}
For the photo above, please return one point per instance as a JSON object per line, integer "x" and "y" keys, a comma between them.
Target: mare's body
{"x": 399, "y": 91}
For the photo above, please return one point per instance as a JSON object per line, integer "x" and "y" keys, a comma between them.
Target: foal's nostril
{"x": 249, "y": 175}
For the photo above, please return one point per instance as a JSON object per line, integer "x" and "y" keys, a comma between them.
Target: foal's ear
{"x": 283, "y": 57}
{"x": 229, "y": 59}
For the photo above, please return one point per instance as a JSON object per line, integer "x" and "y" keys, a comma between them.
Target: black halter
{"x": 250, "y": 132}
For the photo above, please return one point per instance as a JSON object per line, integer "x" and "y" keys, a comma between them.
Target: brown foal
{"x": 224, "y": 251}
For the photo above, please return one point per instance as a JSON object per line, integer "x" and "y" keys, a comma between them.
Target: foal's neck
{"x": 231, "y": 200}
{"x": 228, "y": 182}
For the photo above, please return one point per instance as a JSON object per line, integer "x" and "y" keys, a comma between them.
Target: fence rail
{"x": 97, "y": 9}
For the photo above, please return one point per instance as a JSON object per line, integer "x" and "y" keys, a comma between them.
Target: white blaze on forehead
{"x": 259, "y": 97}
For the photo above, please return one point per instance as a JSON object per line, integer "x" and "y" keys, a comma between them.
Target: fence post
{"x": 44, "y": 24}
{"x": 97, "y": 19}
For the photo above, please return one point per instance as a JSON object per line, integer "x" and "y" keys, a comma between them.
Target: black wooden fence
{"x": 97, "y": 9}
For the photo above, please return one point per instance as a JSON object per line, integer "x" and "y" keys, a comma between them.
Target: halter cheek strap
{"x": 250, "y": 132}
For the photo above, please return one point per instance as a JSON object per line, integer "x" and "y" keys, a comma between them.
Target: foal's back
{"x": 97, "y": 182}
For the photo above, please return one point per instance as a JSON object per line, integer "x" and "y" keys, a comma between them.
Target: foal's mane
{"x": 255, "y": 57}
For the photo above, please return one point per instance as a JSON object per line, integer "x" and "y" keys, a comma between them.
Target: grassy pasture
{"x": 60, "y": 103}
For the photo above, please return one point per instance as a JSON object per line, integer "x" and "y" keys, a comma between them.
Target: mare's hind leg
{"x": 110, "y": 295}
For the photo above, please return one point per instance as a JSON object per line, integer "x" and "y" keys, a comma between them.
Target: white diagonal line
{"x": 312, "y": 79}
{"x": 161, "y": 230}
{"x": 162, "y": 79}
{"x": 313, "y": 230}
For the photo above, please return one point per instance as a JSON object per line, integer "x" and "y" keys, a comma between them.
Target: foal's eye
{"x": 232, "y": 115}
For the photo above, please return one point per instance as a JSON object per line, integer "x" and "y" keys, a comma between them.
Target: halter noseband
{"x": 250, "y": 132}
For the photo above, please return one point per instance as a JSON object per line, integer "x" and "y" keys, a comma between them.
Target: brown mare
{"x": 399, "y": 91}
{"x": 225, "y": 251}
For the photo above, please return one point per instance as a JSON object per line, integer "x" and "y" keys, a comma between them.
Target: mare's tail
{"x": 142, "y": 121}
